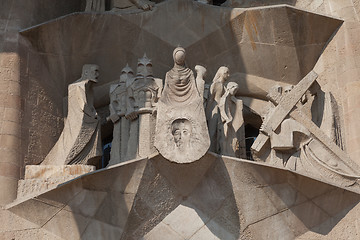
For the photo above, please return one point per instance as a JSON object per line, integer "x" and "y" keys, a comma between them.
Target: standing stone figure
{"x": 232, "y": 130}
{"x": 142, "y": 98}
{"x": 79, "y": 142}
{"x": 180, "y": 114}
{"x": 212, "y": 110}
{"x": 132, "y": 108}
{"x": 118, "y": 107}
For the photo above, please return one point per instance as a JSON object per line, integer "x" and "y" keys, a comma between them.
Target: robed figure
{"x": 181, "y": 129}
{"x": 80, "y": 140}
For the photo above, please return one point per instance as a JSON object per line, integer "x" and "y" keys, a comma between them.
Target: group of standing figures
{"x": 181, "y": 117}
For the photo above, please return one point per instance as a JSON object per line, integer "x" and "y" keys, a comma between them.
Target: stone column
{"x": 10, "y": 107}
{"x": 10, "y": 125}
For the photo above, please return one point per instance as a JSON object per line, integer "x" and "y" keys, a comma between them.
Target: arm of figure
{"x": 159, "y": 83}
{"x": 130, "y": 110}
{"x": 114, "y": 117}
{"x": 143, "y": 4}
{"x": 200, "y": 83}
{"x": 223, "y": 113}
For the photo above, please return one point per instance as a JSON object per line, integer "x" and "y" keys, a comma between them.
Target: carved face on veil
{"x": 181, "y": 130}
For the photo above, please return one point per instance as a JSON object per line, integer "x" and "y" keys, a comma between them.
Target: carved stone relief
{"x": 232, "y": 129}
{"x": 298, "y": 143}
{"x": 80, "y": 142}
{"x": 181, "y": 131}
{"x": 132, "y": 107}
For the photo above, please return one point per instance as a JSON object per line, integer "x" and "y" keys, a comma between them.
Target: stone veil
{"x": 181, "y": 131}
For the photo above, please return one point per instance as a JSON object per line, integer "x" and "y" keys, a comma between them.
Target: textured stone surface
{"x": 240, "y": 200}
{"x": 233, "y": 199}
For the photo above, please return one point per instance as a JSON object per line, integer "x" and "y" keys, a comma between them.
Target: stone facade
{"x": 247, "y": 130}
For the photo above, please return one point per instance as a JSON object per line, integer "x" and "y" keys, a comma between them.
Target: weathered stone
{"x": 79, "y": 142}
{"x": 303, "y": 185}
{"x": 181, "y": 132}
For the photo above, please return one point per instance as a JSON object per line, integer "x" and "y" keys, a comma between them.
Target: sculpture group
{"x": 182, "y": 118}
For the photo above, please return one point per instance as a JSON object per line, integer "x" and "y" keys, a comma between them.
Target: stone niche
{"x": 257, "y": 150}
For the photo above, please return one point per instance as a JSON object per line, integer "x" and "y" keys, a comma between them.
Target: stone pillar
{"x": 10, "y": 107}
{"x": 10, "y": 125}
{"x": 14, "y": 16}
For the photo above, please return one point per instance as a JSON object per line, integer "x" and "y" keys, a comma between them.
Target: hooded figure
{"x": 181, "y": 131}
{"x": 180, "y": 86}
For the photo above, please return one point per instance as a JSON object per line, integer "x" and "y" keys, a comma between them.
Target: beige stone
{"x": 181, "y": 132}
{"x": 79, "y": 142}
{"x": 314, "y": 196}
{"x": 230, "y": 201}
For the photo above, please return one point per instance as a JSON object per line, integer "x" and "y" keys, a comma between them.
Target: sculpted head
{"x": 181, "y": 130}
{"x": 90, "y": 71}
{"x": 144, "y": 68}
{"x": 222, "y": 74}
{"x": 179, "y": 55}
{"x": 232, "y": 87}
{"x": 126, "y": 73}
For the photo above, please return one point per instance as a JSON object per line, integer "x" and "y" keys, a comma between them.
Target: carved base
{"x": 41, "y": 178}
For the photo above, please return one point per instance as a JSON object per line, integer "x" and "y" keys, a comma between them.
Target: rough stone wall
{"x": 17, "y": 86}
{"x": 339, "y": 65}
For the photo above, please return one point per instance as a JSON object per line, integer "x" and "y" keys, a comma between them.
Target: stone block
{"x": 67, "y": 225}
{"x": 254, "y": 205}
{"x": 49, "y": 171}
{"x": 99, "y": 230}
{"x": 10, "y": 128}
{"x": 8, "y": 188}
{"x": 213, "y": 231}
{"x": 12, "y": 114}
{"x": 308, "y": 187}
{"x": 61, "y": 195}
{"x": 186, "y": 220}
{"x": 35, "y": 211}
{"x": 9, "y": 141}
{"x": 114, "y": 208}
{"x": 162, "y": 232}
{"x": 9, "y": 170}
{"x": 337, "y": 200}
{"x": 277, "y": 228}
{"x": 284, "y": 196}
{"x": 86, "y": 203}
{"x": 12, "y": 222}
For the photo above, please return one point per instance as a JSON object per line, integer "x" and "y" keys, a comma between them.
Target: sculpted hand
{"x": 131, "y": 116}
{"x": 144, "y": 4}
